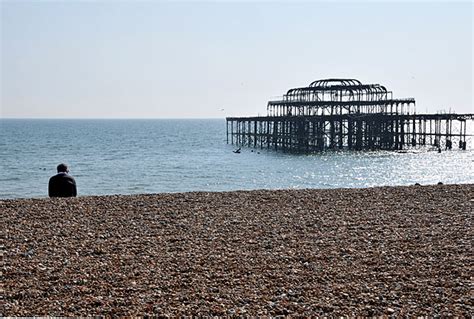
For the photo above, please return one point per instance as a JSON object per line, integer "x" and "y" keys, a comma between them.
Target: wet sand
{"x": 376, "y": 251}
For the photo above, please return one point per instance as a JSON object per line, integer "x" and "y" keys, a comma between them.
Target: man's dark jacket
{"x": 62, "y": 185}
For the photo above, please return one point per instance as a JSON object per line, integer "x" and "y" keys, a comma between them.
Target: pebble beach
{"x": 384, "y": 251}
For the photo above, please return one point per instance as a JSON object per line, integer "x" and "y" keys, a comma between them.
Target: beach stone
{"x": 396, "y": 251}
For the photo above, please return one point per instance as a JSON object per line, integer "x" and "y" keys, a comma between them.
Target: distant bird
{"x": 237, "y": 151}
{"x": 222, "y": 110}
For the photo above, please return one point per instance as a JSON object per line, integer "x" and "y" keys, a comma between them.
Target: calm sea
{"x": 153, "y": 156}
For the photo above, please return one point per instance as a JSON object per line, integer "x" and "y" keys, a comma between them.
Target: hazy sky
{"x": 153, "y": 59}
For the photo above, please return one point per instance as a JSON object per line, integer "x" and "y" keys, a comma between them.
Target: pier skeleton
{"x": 346, "y": 114}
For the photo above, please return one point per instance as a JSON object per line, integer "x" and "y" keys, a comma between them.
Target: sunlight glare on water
{"x": 152, "y": 156}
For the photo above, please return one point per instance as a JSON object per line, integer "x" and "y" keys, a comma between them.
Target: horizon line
{"x": 112, "y": 118}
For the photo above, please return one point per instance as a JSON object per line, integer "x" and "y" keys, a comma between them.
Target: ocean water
{"x": 154, "y": 156}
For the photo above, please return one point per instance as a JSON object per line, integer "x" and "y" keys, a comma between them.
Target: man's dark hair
{"x": 62, "y": 168}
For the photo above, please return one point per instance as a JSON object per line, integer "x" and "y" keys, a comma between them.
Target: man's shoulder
{"x": 61, "y": 176}
{"x": 69, "y": 177}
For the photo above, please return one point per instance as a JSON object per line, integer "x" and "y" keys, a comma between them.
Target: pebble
{"x": 342, "y": 252}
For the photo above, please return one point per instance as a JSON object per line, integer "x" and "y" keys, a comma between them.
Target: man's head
{"x": 62, "y": 168}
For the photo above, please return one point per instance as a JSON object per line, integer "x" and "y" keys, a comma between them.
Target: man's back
{"x": 62, "y": 185}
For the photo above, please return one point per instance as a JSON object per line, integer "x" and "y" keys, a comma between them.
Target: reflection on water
{"x": 150, "y": 156}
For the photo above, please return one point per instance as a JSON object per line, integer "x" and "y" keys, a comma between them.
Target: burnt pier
{"x": 346, "y": 114}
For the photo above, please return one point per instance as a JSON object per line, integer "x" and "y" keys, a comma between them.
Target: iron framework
{"x": 346, "y": 114}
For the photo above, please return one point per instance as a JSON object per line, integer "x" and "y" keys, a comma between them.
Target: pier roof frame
{"x": 343, "y": 103}
{"x": 351, "y": 85}
{"x": 340, "y": 95}
{"x": 366, "y": 88}
{"x": 327, "y": 82}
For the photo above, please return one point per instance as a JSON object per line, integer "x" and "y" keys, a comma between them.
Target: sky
{"x": 156, "y": 59}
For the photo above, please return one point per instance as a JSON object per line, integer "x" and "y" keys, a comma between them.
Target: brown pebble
{"x": 381, "y": 251}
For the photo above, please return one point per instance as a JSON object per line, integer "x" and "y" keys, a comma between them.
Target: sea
{"x": 180, "y": 155}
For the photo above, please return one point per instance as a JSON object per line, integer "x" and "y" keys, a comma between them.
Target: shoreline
{"x": 105, "y": 196}
{"x": 403, "y": 250}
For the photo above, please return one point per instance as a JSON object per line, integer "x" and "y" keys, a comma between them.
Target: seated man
{"x": 62, "y": 184}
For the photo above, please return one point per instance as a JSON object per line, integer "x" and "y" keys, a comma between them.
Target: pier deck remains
{"x": 346, "y": 114}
